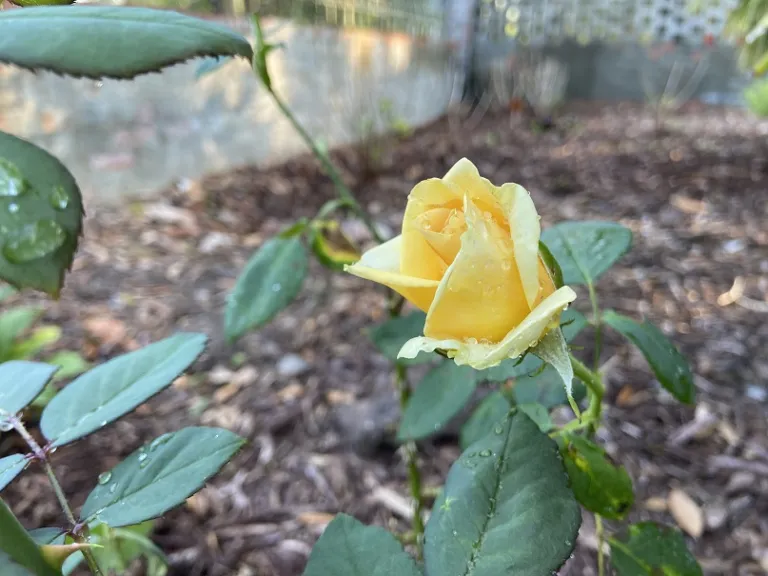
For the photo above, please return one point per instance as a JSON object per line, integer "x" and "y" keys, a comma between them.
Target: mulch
{"x": 314, "y": 398}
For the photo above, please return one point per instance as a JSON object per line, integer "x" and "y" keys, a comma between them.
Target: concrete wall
{"x": 123, "y": 138}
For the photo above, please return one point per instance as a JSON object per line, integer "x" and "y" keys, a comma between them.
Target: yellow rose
{"x": 469, "y": 257}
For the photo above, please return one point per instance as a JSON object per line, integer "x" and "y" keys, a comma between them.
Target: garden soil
{"x": 315, "y": 399}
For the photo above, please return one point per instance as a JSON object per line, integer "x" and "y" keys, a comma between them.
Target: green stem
{"x": 596, "y": 389}
{"x": 600, "y": 539}
{"x": 597, "y": 323}
{"x": 41, "y": 455}
{"x": 342, "y": 189}
{"x": 414, "y": 475}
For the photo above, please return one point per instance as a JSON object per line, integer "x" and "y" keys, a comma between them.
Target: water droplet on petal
{"x": 11, "y": 181}
{"x": 34, "y": 241}
{"x": 59, "y": 198}
{"x": 105, "y": 477}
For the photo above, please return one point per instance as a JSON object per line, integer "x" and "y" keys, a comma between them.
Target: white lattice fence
{"x": 548, "y": 21}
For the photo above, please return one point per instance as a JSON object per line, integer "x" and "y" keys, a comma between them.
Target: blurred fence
{"x": 611, "y": 49}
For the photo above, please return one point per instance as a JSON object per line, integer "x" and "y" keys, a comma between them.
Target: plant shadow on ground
{"x": 315, "y": 399}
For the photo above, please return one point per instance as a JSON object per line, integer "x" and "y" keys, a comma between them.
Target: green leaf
{"x": 159, "y": 476}
{"x": 271, "y": 280}
{"x": 669, "y": 366}
{"x": 70, "y": 364}
{"x": 22, "y": 382}
{"x": 16, "y": 546}
{"x": 539, "y": 414}
{"x": 10, "y": 467}
{"x": 586, "y": 250}
{"x": 13, "y": 324}
{"x": 652, "y": 550}
{"x": 546, "y": 388}
{"x": 211, "y": 65}
{"x": 116, "y": 387}
{"x": 37, "y": 341}
{"x": 110, "y": 41}
{"x": 505, "y": 509}
{"x": 6, "y": 292}
{"x": 43, "y": 536}
{"x": 350, "y": 548}
{"x": 390, "y": 336}
{"x": 41, "y": 211}
{"x": 119, "y": 547}
{"x": 600, "y": 486}
{"x": 440, "y": 395}
{"x": 489, "y": 412}
{"x": 331, "y": 246}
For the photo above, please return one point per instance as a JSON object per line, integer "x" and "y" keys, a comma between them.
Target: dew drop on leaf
{"x": 105, "y": 477}
{"x": 13, "y": 208}
{"x": 59, "y": 198}
{"x": 276, "y": 287}
{"x": 112, "y": 488}
{"x": 144, "y": 463}
{"x": 142, "y": 456}
{"x": 11, "y": 181}
{"x": 34, "y": 241}
{"x": 159, "y": 441}
{"x": 485, "y": 453}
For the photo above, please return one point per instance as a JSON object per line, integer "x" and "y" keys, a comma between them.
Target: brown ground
{"x": 696, "y": 198}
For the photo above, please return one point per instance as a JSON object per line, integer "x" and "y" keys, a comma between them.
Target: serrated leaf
{"x": 159, "y": 476}
{"x": 350, "y": 548}
{"x": 17, "y": 547}
{"x": 489, "y": 412}
{"x": 652, "y": 550}
{"x": 509, "y": 487}
{"x": 668, "y": 365}
{"x": 586, "y": 250}
{"x": 22, "y": 382}
{"x": 440, "y": 395}
{"x": 270, "y": 281}
{"x": 211, "y": 65}
{"x": 41, "y": 209}
{"x": 110, "y": 41}
{"x": 10, "y": 467}
{"x": 13, "y": 324}
{"x": 114, "y": 388}
{"x": 390, "y": 336}
{"x": 599, "y": 485}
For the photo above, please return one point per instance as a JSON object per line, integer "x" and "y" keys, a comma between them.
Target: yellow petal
{"x": 418, "y": 258}
{"x": 481, "y": 356}
{"x": 382, "y": 264}
{"x": 442, "y": 229}
{"x": 525, "y": 231}
{"x": 466, "y": 180}
{"x": 480, "y": 296}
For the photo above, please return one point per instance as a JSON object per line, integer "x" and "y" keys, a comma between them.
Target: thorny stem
{"x": 342, "y": 189}
{"x": 600, "y": 539}
{"x": 41, "y": 455}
